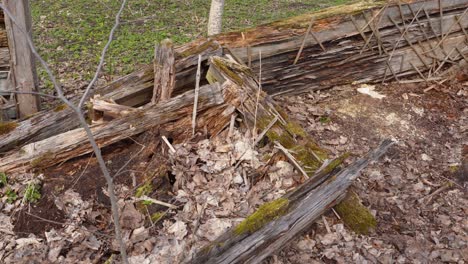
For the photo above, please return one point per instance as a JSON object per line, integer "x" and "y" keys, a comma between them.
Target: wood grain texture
{"x": 75, "y": 143}
{"x": 299, "y": 211}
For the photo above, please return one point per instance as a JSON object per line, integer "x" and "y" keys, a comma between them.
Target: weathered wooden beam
{"x": 132, "y": 90}
{"x": 164, "y": 71}
{"x": 23, "y": 69}
{"x": 276, "y": 223}
{"x": 75, "y": 143}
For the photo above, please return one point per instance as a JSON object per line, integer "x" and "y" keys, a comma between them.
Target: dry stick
{"x": 419, "y": 72}
{"x": 457, "y": 21}
{"x": 254, "y": 131}
{"x": 361, "y": 33}
{"x": 445, "y": 59}
{"x": 34, "y": 93}
{"x": 398, "y": 42}
{"x": 304, "y": 41}
{"x": 292, "y": 159}
{"x": 171, "y": 148}
{"x": 367, "y": 24}
{"x": 84, "y": 124}
{"x": 231, "y": 125}
{"x": 146, "y": 198}
{"x": 197, "y": 90}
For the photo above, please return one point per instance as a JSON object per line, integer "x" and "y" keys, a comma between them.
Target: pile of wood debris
{"x": 219, "y": 174}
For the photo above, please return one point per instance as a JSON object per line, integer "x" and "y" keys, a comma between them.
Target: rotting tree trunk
{"x": 363, "y": 43}
{"x": 259, "y": 111}
{"x": 276, "y": 223}
{"x": 132, "y": 90}
{"x": 74, "y": 143}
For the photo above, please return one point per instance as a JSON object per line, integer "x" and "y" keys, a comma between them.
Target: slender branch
{"x": 34, "y": 93}
{"x": 83, "y": 123}
{"x": 103, "y": 55}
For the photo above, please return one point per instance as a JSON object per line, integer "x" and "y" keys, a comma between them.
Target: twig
{"x": 304, "y": 41}
{"x": 292, "y": 159}
{"x": 231, "y": 125}
{"x": 146, "y": 198}
{"x": 327, "y": 226}
{"x": 103, "y": 55}
{"x": 270, "y": 125}
{"x": 254, "y": 132}
{"x": 34, "y": 93}
{"x": 197, "y": 89}
{"x": 84, "y": 124}
{"x": 171, "y": 148}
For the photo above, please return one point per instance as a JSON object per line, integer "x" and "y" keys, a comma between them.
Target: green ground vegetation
{"x": 70, "y": 34}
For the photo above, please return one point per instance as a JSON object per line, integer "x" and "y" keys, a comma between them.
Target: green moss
{"x": 157, "y": 216}
{"x": 355, "y": 215}
{"x": 42, "y": 160}
{"x": 335, "y": 163}
{"x": 265, "y": 214}
{"x": 223, "y": 66}
{"x": 60, "y": 108}
{"x": 145, "y": 189}
{"x": 7, "y": 127}
{"x": 325, "y": 119}
{"x": 295, "y": 129}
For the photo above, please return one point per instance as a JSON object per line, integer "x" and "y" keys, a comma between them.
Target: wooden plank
{"x": 275, "y": 224}
{"x": 23, "y": 69}
{"x": 164, "y": 71}
{"x": 75, "y": 143}
{"x": 131, "y": 90}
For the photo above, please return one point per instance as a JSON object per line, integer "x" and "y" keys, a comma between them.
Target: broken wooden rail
{"x": 276, "y": 223}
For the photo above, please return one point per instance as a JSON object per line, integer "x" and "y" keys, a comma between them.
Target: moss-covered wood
{"x": 274, "y": 224}
{"x": 355, "y": 215}
{"x": 259, "y": 110}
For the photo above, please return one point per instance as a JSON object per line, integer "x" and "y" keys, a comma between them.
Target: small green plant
{"x": 146, "y": 202}
{"x": 32, "y": 193}
{"x": 3, "y": 180}
{"x": 325, "y": 119}
{"x": 11, "y": 195}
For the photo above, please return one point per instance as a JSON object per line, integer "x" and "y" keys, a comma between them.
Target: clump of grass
{"x": 3, "y": 179}
{"x": 32, "y": 194}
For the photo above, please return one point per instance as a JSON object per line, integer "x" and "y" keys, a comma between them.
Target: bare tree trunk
{"x": 216, "y": 17}
{"x": 23, "y": 77}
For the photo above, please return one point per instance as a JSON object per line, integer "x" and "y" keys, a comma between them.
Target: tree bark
{"x": 215, "y": 20}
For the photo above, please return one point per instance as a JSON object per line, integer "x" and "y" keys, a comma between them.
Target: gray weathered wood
{"x": 296, "y": 212}
{"x": 164, "y": 71}
{"x": 23, "y": 68}
{"x": 75, "y": 143}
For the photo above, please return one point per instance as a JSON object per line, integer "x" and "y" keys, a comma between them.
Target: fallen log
{"x": 276, "y": 223}
{"x": 75, "y": 143}
{"x": 131, "y": 90}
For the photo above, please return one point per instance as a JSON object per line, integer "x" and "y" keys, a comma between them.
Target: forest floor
{"x": 415, "y": 192}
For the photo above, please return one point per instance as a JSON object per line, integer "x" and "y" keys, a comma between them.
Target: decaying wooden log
{"x": 108, "y": 109}
{"x": 276, "y": 223}
{"x": 164, "y": 71}
{"x": 259, "y": 110}
{"x": 363, "y": 43}
{"x": 74, "y": 143}
{"x": 132, "y": 90}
